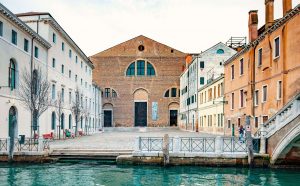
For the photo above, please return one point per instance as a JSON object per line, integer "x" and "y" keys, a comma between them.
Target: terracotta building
{"x": 265, "y": 74}
{"x": 140, "y": 82}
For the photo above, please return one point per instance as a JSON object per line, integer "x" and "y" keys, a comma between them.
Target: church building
{"x": 140, "y": 82}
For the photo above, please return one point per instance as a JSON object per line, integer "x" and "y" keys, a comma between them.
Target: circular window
{"x": 141, "y": 48}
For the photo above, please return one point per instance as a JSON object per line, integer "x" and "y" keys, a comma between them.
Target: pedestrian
{"x": 241, "y": 132}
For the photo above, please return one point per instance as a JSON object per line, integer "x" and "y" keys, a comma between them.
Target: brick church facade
{"x": 140, "y": 83}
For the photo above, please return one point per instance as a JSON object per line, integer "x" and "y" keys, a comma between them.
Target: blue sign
{"x": 154, "y": 111}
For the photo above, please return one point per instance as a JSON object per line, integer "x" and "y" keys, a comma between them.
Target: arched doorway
{"x": 12, "y": 123}
{"x": 108, "y": 114}
{"x": 173, "y": 113}
{"x": 140, "y": 97}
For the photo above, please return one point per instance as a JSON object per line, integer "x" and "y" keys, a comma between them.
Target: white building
{"x": 211, "y": 107}
{"x": 204, "y": 68}
{"x": 21, "y": 49}
{"x": 69, "y": 69}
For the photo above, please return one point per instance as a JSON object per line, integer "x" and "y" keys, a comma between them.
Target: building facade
{"x": 140, "y": 83}
{"x": 211, "y": 107}
{"x": 203, "y": 68}
{"x": 22, "y": 51}
{"x": 69, "y": 70}
{"x": 265, "y": 75}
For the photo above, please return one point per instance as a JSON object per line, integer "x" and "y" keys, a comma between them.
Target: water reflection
{"x": 93, "y": 173}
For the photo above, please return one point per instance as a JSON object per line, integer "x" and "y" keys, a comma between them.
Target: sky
{"x": 190, "y": 26}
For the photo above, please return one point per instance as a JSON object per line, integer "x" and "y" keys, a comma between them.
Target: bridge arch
{"x": 287, "y": 142}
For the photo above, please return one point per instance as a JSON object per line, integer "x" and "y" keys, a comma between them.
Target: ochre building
{"x": 140, "y": 82}
{"x": 265, "y": 75}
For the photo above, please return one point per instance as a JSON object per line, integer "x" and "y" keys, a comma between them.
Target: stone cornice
{"x": 13, "y": 18}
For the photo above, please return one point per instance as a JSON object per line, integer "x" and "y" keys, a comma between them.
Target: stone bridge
{"x": 280, "y": 135}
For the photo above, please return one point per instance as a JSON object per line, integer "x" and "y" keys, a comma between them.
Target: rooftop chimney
{"x": 252, "y": 25}
{"x": 269, "y": 4}
{"x": 286, "y": 6}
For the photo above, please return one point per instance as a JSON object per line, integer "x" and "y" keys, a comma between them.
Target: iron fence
{"x": 3, "y": 144}
{"x": 196, "y": 144}
{"x": 232, "y": 144}
{"x": 153, "y": 144}
{"x": 29, "y": 144}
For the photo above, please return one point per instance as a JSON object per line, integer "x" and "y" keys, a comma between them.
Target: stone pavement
{"x": 119, "y": 138}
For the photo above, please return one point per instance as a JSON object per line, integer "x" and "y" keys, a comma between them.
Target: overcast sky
{"x": 187, "y": 25}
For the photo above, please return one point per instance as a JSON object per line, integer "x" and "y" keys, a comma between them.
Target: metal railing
{"x": 153, "y": 144}
{"x": 3, "y": 144}
{"x": 232, "y": 144}
{"x": 192, "y": 145}
{"x": 196, "y": 144}
{"x": 28, "y": 145}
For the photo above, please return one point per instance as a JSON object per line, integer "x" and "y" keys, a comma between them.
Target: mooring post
{"x": 166, "y": 150}
{"x": 249, "y": 141}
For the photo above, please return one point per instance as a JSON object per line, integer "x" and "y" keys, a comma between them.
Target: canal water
{"x": 93, "y": 173}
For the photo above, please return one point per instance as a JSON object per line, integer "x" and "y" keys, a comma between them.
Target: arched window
{"x": 114, "y": 93}
{"x": 131, "y": 70}
{"x": 167, "y": 93}
{"x": 140, "y": 68}
{"x": 35, "y": 81}
{"x": 220, "y": 51}
{"x": 70, "y": 121}
{"x": 62, "y": 121}
{"x": 173, "y": 92}
{"x": 150, "y": 70}
{"x": 53, "y": 120}
{"x": 12, "y": 74}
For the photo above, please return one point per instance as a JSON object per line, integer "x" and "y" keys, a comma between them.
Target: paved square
{"x": 119, "y": 139}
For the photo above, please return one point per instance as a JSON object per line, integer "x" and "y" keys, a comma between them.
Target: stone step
{"x": 107, "y": 153}
{"x": 138, "y": 129}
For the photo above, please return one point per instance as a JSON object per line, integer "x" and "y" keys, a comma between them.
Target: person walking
{"x": 241, "y": 132}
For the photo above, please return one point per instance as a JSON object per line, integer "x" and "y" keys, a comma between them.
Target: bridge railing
{"x": 283, "y": 117}
{"x": 194, "y": 145}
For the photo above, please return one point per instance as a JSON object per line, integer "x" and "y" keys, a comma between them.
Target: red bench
{"x": 48, "y": 136}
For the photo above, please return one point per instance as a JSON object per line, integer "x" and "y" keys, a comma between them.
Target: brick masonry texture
{"x": 110, "y": 72}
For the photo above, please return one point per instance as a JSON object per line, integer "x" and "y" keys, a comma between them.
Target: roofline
{"x": 12, "y": 17}
{"x": 278, "y": 24}
{"x": 65, "y": 35}
{"x": 211, "y": 83}
{"x": 133, "y": 39}
{"x": 214, "y": 46}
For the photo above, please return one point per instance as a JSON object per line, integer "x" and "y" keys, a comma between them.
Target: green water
{"x": 93, "y": 173}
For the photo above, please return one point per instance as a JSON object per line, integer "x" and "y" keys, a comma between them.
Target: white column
{"x": 40, "y": 145}
{"x": 137, "y": 144}
{"x": 218, "y": 145}
{"x": 262, "y": 149}
{"x": 176, "y": 144}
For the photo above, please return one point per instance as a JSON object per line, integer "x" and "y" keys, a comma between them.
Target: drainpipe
{"x": 188, "y": 93}
{"x": 253, "y": 83}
